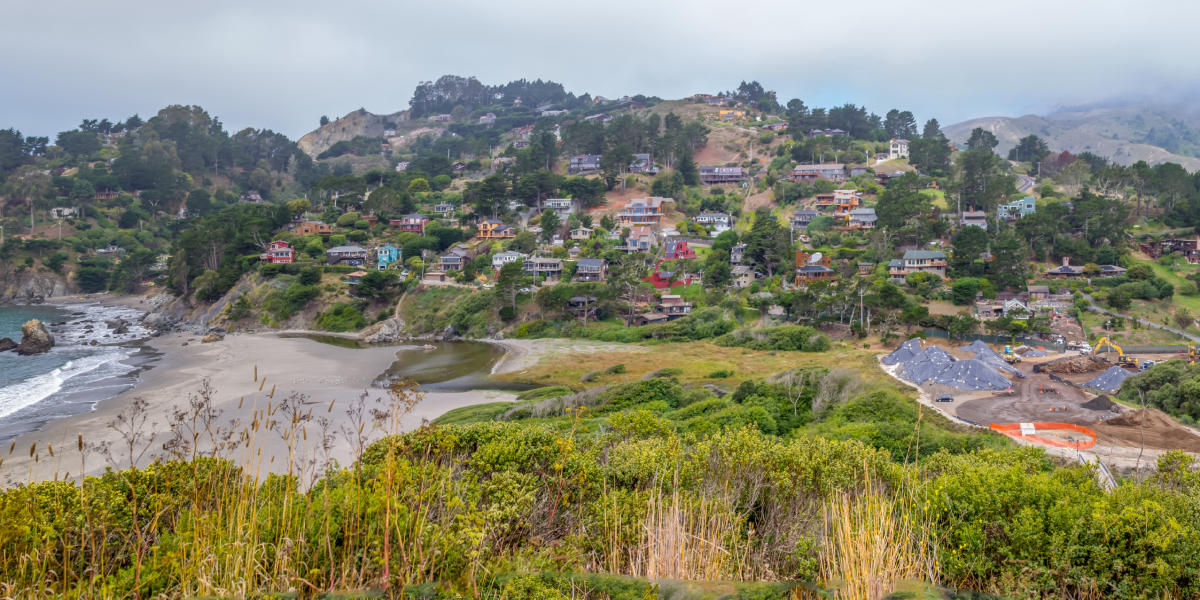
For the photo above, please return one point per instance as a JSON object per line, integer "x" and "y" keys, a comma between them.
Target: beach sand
{"x": 318, "y": 387}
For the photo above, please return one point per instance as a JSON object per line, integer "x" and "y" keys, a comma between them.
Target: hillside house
{"x": 973, "y": 218}
{"x": 440, "y": 118}
{"x": 641, "y": 239}
{"x": 742, "y": 277}
{"x": 897, "y": 149}
{"x": 251, "y": 197}
{"x": 729, "y": 115}
{"x": 63, "y": 212}
{"x": 402, "y": 166}
{"x": 1065, "y": 270}
{"x": 312, "y": 228}
{"x": 354, "y": 256}
{"x": 643, "y": 164}
{"x": 677, "y": 249}
{"x": 582, "y": 233}
{"x": 355, "y": 277}
{"x": 835, "y": 172}
{"x": 278, "y": 252}
{"x": 443, "y": 209}
{"x": 455, "y": 258}
{"x": 641, "y": 211}
{"x": 737, "y": 253}
{"x": 811, "y": 273}
{"x": 1188, "y": 249}
{"x": 561, "y": 206}
{"x": 412, "y": 223}
{"x": 719, "y": 175}
{"x": 918, "y": 261}
{"x": 1019, "y": 208}
{"x": 844, "y": 200}
{"x": 650, "y": 318}
{"x": 812, "y": 133}
{"x": 544, "y": 267}
{"x": 488, "y": 119}
{"x": 777, "y": 126}
{"x": 386, "y": 255}
{"x": 861, "y": 219}
{"x": 865, "y": 268}
{"x": 674, "y": 306}
{"x": 802, "y": 218}
{"x": 716, "y": 222}
{"x": 584, "y": 164}
{"x": 602, "y": 118}
{"x": 1111, "y": 271}
{"x": 508, "y": 256}
{"x": 591, "y": 269}
{"x": 493, "y": 229}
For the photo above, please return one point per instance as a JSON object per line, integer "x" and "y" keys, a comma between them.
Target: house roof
{"x": 593, "y": 263}
{"x": 923, "y": 254}
{"x": 345, "y": 249}
{"x": 1039, "y": 289}
{"x": 809, "y": 269}
{"x": 653, "y": 316}
{"x": 808, "y": 212}
{"x": 820, "y": 167}
{"x": 896, "y": 262}
{"x": 1112, "y": 269}
{"x": 1065, "y": 270}
{"x": 741, "y": 270}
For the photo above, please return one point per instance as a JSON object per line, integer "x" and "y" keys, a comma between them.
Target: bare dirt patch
{"x": 1150, "y": 427}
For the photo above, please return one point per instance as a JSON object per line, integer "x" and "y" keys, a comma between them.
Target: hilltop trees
{"x": 900, "y": 124}
{"x": 1031, "y": 149}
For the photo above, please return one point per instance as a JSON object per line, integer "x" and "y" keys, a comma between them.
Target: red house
{"x": 678, "y": 249}
{"x": 413, "y": 223}
{"x": 278, "y": 252}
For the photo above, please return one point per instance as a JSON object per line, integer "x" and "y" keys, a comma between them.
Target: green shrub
{"x": 616, "y": 369}
{"x": 342, "y": 316}
{"x": 720, "y": 374}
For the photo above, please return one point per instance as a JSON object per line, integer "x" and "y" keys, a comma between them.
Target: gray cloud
{"x": 283, "y": 64}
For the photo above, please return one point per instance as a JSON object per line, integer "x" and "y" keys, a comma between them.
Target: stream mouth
{"x": 450, "y": 367}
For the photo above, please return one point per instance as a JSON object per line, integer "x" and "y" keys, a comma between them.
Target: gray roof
{"x": 591, "y": 262}
{"x": 919, "y": 254}
{"x": 814, "y": 269}
{"x": 345, "y": 249}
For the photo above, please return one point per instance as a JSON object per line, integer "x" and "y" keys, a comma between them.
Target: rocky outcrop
{"x": 384, "y": 332}
{"x": 33, "y": 288}
{"x": 7, "y": 344}
{"x": 35, "y": 338}
{"x": 344, "y": 129}
{"x": 212, "y": 337}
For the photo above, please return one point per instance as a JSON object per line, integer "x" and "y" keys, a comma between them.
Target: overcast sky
{"x": 283, "y": 64}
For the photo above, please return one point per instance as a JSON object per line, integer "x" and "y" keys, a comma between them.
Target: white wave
{"x": 39, "y": 387}
{"x": 75, "y": 332}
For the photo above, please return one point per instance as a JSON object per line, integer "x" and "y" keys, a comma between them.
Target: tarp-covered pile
{"x": 1110, "y": 380}
{"x": 922, "y": 365}
{"x": 985, "y": 354}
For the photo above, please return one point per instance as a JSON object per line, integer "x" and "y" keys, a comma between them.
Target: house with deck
{"x": 500, "y": 259}
{"x": 802, "y": 218}
{"x": 591, "y": 269}
{"x": 1189, "y": 249}
{"x": 312, "y": 228}
{"x": 455, "y": 258}
{"x": 716, "y": 222}
{"x": 1016, "y": 209}
{"x": 835, "y": 172}
{"x": 493, "y": 229}
{"x": 278, "y": 252}
{"x": 411, "y": 223}
{"x": 710, "y": 175}
{"x": 544, "y": 267}
{"x": 354, "y": 256}
{"x": 641, "y": 239}
{"x": 642, "y": 163}
{"x": 919, "y": 261}
{"x": 674, "y": 306}
{"x": 561, "y": 206}
{"x": 641, "y": 211}
{"x": 861, "y": 219}
{"x": 583, "y": 164}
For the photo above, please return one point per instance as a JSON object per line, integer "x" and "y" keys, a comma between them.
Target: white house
{"x": 561, "y": 206}
{"x": 898, "y": 148}
{"x": 503, "y": 258}
{"x": 717, "y": 222}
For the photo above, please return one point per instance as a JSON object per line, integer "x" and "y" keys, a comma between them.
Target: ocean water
{"x": 75, "y": 374}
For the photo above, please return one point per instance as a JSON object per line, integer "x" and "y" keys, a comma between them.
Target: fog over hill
{"x": 1124, "y": 132}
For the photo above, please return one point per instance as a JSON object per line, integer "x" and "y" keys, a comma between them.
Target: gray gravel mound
{"x": 972, "y": 374}
{"x": 1110, "y": 380}
{"x": 1034, "y": 353}
{"x": 985, "y": 354}
{"x": 906, "y": 352}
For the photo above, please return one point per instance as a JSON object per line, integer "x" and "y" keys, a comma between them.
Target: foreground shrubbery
{"x": 650, "y": 481}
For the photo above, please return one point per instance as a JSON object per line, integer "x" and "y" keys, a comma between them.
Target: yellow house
{"x": 730, "y": 114}
{"x": 491, "y": 229}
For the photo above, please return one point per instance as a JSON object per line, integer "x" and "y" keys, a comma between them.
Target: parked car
{"x": 945, "y": 398}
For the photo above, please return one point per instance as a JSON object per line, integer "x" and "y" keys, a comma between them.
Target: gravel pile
{"x": 906, "y": 352}
{"x": 985, "y": 354}
{"x": 922, "y": 365}
{"x": 1035, "y": 353}
{"x": 972, "y": 374}
{"x": 1100, "y": 403}
{"x": 1110, "y": 380}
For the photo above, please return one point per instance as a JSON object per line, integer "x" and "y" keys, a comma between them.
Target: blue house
{"x": 387, "y": 255}
{"x": 1019, "y": 208}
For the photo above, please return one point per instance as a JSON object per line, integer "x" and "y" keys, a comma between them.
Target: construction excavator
{"x": 1124, "y": 361}
{"x": 1193, "y": 354}
{"x": 1011, "y": 357}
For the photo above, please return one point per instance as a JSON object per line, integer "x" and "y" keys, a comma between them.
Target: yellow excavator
{"x": 1193, "y": 354}
{"x": 1010, "y": 356}
{"x": 1124, "y": 361}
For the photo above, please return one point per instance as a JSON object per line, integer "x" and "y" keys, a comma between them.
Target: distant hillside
{"x": 344, "y": 129}
{"x": 1124, "y": 133}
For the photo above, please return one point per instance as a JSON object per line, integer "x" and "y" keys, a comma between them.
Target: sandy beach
{"x": 304, "y": 411}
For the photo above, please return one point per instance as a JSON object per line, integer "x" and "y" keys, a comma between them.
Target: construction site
{"x": 1063, "y": 402}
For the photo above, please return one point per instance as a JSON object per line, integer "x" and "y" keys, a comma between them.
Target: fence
{"x": 1027, "y": 431}
{"x": 999, "y": 339}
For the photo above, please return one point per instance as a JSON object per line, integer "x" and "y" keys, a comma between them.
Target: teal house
{"x": 387, "y": 255}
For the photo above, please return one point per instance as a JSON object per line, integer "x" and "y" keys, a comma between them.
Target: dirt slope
{"x": 343, "y": 129}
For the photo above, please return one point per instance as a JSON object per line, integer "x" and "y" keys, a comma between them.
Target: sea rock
{"x": 384, "y": 332}
{"x": 35, "y": 339}
{"x": 7, "y": 344}
{"x": 212, "y": 337}
{"x": 118, "y": 326}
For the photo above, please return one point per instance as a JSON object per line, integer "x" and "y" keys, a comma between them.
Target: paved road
{"x": 1094, "y": 308}
{"x": 1024, "y": 183}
